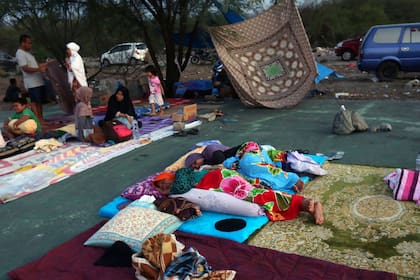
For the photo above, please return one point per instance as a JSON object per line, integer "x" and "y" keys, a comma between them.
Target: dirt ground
{"x": 354, "y": 85}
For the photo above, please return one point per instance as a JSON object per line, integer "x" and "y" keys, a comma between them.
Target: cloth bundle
{"x": 405, "y": 184}
{"x": 178, "y": 206}
{"x": 302, "y": 163}
{"x": 47, "y": 145}
{"x": 161, "y": 257}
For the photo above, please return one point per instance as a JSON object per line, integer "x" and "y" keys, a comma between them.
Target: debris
{"x": 412, "y": 84}
{"x": 340, "y": 94}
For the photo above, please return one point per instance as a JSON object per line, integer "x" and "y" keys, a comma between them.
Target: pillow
{"x": 133, "y": 225}
{"x": 221, "y": 202}
{"x": 181, "y": 161}
{"x": 233, "y": 227}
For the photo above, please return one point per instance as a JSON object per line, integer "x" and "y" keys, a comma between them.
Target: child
{"x": 23, "y": 121}
{"x": 83, "y": 112}
{"x": 156, "y": 90}
{"x": 12, "y": 92}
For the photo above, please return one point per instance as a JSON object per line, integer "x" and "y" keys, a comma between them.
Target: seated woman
{"x": 256, "y": 166}
{"x": 279, "y": 206}
{"x": 120, "y": 107}
{"x": 23, "y": 121}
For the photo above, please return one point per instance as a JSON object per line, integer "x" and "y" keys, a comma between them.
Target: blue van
{"x": 389, "y": 49}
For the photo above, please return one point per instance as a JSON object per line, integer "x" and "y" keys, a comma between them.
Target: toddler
{"x": 83, "y": 112}
{"x": 156, "y": 90}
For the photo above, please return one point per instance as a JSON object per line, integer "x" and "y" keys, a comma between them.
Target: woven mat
{"x": 365, "y": 228}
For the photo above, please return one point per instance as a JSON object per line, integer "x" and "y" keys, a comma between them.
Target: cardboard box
{"x": 189, "y": 114}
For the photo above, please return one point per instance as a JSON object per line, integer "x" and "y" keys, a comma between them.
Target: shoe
{"x": 180, "y": 133}
{"x": 193, "y": 131}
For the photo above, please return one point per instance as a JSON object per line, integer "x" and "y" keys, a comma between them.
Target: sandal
{"x": 180, "y": 133}
{"x": 219, "y": 113}
{"x": 193, "y": 131}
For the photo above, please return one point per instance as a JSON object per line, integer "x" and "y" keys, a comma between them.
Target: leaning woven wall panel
{"x": 268, "y": 58}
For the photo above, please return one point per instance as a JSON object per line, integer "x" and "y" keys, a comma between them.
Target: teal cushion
{"x": 208, "y": 224}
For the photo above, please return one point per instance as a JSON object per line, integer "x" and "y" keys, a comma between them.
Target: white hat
{"x": 73, "y": 46}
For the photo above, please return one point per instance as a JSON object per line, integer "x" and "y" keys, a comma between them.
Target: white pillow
{"x": 133, "y": 225}
{"x": 222, "y": 202}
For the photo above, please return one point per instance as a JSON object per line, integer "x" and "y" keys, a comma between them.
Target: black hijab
{"x": 125, "y": 106}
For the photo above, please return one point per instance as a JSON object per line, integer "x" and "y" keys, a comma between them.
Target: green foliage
{"x": 331, "y": 21}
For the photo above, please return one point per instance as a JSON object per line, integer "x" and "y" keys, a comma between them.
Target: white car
{"x": 126, "y": 53}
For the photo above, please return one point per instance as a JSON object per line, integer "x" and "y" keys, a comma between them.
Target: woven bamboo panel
{"x": 268, "y": 58}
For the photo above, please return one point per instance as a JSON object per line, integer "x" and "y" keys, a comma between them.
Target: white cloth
{"x": 47, "y": 145}
{"x": 301, "y": 163}
{"x": 30, "y": 80}
{"x": 76, "y": 65}
{"x": 156, "y": 99}
{"x": 2, "y": 142}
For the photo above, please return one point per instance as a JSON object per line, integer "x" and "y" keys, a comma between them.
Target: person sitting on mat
{"x": 23, "y": 121}
{"x": 120, "y": 107}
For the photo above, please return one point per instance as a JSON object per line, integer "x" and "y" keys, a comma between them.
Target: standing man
{"x": 32, "y": 75}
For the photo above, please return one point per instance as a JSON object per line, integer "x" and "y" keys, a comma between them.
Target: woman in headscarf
{"x": 75, "y": 67}
{"x": 121, "y": 107}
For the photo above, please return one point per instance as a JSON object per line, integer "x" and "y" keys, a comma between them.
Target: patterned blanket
{"x": 37, "y": 171}
{"x": 268, "y": 58}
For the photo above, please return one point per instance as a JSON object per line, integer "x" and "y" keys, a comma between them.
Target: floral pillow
{"x": 133, "y": 225}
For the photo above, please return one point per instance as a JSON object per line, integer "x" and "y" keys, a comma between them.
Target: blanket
{"x": 34, "y": 177}
{"x": 73, "y": 261}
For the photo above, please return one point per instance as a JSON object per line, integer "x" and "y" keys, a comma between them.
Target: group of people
{"x": 29, "y": 118}
{"x": 247, "y": 172}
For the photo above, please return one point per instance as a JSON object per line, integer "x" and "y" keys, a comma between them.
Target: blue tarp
{"x": 202, "y": 40}
{"x": 325, "y": 72}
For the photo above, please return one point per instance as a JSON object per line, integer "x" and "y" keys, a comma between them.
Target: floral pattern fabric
{"x": 279, "y": 206}
{"x": 257, "y": 167}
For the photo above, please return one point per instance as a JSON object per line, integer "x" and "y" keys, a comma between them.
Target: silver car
{"x": 126, "y": 53}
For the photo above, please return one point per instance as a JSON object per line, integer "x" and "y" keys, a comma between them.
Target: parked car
{"x": 389, "y": 49}
{"x": 7, "y": 62}
{"x": 348, "y": 49}
{"x": 126, "y": 53}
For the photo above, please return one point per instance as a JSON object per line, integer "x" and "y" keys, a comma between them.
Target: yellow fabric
{"x": 180, "y": 163}
{"x": 70, "y": 128}
{"x": 27, "y": 127}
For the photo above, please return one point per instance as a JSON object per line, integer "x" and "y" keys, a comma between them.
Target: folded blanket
{"x": 405, "y": 184}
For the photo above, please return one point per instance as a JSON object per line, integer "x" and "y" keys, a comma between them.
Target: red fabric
{"x": 74, "y": 261}
{"x": 210, "y": 181}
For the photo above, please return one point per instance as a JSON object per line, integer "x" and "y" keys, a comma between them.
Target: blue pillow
{"x": 215, "y": 224}
{"x": 111, "y": 208}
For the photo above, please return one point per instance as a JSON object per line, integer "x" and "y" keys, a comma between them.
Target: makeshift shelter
{"x": 268, "y": 58}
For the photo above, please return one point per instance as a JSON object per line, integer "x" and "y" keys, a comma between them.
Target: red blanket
{"x": 74, "y": 261}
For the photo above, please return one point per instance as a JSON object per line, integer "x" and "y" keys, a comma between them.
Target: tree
{"x": 51, "y": 22}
